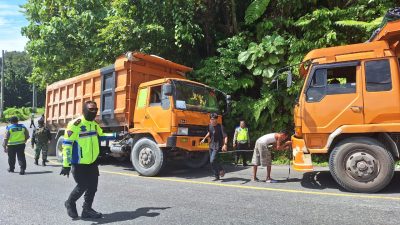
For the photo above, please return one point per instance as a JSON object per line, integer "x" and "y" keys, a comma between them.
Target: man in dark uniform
{"x": 219, "y": 141}
{"x": 14, "y": 144}
{"x": 80, "y": 150}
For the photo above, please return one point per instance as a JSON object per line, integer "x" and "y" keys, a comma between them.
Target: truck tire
{"x": 147, "y": 158}
{"x": 361, "y": 164}
{"x": 59, "y": 153}
{"x": 196, "y": 160}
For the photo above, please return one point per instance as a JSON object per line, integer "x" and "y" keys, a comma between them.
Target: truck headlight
{"x": 183, "y": 131}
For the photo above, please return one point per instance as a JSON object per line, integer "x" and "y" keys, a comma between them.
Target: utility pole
{"x": 34, "y": 98}
{"x": 2, "y": 85}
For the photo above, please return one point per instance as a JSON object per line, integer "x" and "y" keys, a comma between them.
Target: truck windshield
{"x": 194, "y": 97}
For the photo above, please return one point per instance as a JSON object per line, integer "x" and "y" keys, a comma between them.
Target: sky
{"x": 11, "y": 21}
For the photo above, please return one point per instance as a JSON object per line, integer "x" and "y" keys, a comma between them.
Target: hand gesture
{"x": 65, "y": 171}
{"x": 202, "y": 141}
{"x": 234, "y": 145}
{"x": 5, "y": 149}
{"x": 225, "y": 148}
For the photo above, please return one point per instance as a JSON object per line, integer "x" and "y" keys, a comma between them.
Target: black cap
{"x": 14, "y": 119}
{"x": 41, "y": 122}
{"x": 213, "y": 116}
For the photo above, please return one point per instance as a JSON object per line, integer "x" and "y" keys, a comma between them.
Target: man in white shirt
{"x": 262, "y": 154}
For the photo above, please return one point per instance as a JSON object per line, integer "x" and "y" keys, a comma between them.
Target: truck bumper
{"x": 187, "y": 143}
{"x": 301, "y": 160}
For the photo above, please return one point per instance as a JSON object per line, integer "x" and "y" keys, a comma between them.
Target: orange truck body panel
{"x": 64, "y": 99}
{"x": 318, "y": 122}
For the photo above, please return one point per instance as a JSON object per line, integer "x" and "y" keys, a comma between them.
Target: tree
{"x": 17, "y": 89}
{"x": 235, "y": 46}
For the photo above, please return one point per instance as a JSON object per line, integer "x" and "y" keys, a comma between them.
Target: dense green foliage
{"x": 23, "y": 113}
{"x": 17, "y": 89}
{"x": 235, "y": 46}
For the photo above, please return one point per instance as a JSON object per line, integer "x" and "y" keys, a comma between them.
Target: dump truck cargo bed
{"x": 113, "y": 88}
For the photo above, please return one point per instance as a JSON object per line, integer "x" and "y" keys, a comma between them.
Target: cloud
{"x": 3, "y": 21}
{"x": 11, "y": 21}
{"x": 10, "y": 10}
{"x": 16, "y": 44}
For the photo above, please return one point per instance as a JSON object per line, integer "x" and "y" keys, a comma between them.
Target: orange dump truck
{"x": 349, "y": 107}
{"x": 147, "y": 98}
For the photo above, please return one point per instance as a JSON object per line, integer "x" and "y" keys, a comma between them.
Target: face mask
{"x": 89, "y": 115}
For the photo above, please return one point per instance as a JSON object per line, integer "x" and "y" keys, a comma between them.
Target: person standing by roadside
{"x": 14, "y": 144}
{"x": 241, "y": 141}
{"x": 218, "y": 142}
{"x": 32, "y": 120}
{"x": 41, "y": 137}
{"x": 80, "y": 151}
{"x": 262, "y": 153}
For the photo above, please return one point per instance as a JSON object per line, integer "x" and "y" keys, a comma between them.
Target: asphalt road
{"x": 184, "y": 196}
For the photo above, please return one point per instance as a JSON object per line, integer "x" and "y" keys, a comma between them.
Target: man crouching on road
{"x": 80, "y": 150}
{"x": 262, "y": 154}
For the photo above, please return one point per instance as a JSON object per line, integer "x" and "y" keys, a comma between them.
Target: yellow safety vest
{"x": 81, "y": 142}
{"x": 242, "y": 134}
{"x": 17, "y": 134}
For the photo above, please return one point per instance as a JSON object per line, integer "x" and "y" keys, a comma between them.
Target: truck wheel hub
{"x": 361, "y": 166}
{"x": 146, "y": 157}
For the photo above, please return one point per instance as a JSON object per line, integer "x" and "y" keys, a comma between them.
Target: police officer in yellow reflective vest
{"x": 241, "y": 141}
{"x": 80, "y": 151}
{"x": 14, "y": 144}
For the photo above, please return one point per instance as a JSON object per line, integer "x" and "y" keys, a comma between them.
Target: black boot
{"x": 10, "y": 170}
{"x": 44, "y": 163}
{"x": 90, "y": 213}
{"x": 22, "y": 172}
{"x": 36, "y": 162}
{"x": 71, "y": 209}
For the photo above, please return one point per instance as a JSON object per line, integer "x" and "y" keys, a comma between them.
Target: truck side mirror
{"x": 289, "y": 79}
{"x": 167, "y": 89}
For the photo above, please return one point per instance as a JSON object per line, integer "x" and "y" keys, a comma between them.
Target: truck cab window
{"x": 331, "y": 81}
{"x": 155, "y": 96}
{"x": 378, "y": 76}
{"x": 341, "y": 80}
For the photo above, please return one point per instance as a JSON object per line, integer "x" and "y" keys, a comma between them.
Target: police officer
{"x": 80, "y": 150}
{"x": 241, "y": 141}
{"x": 14, "y": 144}
{"x": 41, "y": 137}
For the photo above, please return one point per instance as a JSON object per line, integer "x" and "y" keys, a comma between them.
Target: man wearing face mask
{"x": 80, "y": 151}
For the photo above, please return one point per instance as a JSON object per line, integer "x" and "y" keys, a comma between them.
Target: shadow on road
{"x": 323, "y": 180}
{"x": 177, "y": 169}
{"x": 37, "y": 172}
{"x": 232, "y": 179}
{"x": 127, "y": 215}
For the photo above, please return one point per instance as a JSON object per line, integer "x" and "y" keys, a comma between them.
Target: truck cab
{"x": 349, "y": 108}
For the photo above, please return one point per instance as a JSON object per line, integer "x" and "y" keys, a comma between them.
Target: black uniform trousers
{"x": 19, "y": 151}
{"x": 87, "y": 179}
{"x": 240, "y": 146}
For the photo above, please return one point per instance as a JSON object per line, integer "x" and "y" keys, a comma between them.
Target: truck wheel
{"x": 361, "y": 164}
{"x": 196, "y": 160}
{"x": 147, "y": 158}
{"x": 59, "y": 153}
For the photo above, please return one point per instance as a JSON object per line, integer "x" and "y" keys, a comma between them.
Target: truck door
{"x": 381, "y": 97}
{"x": 158, "y": 116}
{"x": 140, "y": 109}
{"x": 332, "y": 97}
